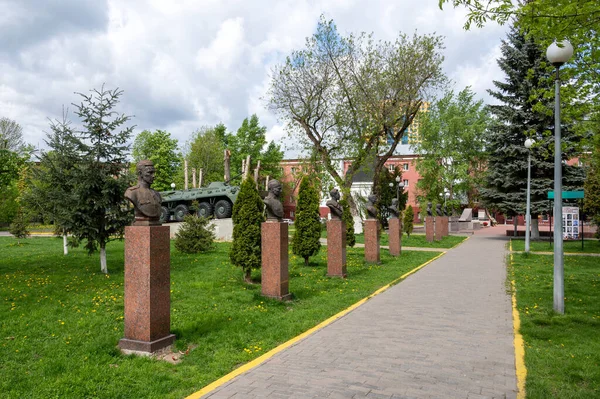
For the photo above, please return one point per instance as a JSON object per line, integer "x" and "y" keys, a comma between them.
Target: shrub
{"x": 407, "y": 221}
{"x": 306, "y": 240}
{"x": 247, "y": 216}
{"x": 195, "y": 235}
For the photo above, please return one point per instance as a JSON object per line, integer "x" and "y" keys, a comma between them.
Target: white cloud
{"x": 186, "y": 64}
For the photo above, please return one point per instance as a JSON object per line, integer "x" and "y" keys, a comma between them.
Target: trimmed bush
{"x": 195, "y": 235}
{"x": 305, "y": 242}
{"x": 349, "y": 220}
{"x": 247, "y": 216}
{"x": 407, "y": 223}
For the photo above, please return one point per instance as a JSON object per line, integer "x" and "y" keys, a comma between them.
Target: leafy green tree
{"x": 97, "y": 179}
{"x": 205, "y": 151}
{"x": 250, "y": 139}
{"x": 452, "y": 148}
{"x": 592, "y": 187}
{"x": 349, "y": 220}
{"x": 11, "y": 136}
{"x": 353, "y": 97}
{"x": 195, "y": 235}
{"x": 306, "y": 241}
{"x": 520, "y": 116}
{"x": 247, "y": 218}
{"x": 407, "y": 222}
{"x": 161, "y": 149}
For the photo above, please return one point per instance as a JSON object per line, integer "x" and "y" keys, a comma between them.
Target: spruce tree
{"x": 407, "y": 223}
{"x": 306, "y": 240}
{"x": 524, "y": 114}
{"x": 19, "y": 226}
{"x": 247, "y": 217}
{"x": 349, "y": 220}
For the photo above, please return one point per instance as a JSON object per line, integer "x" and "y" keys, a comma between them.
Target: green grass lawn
{"x": 589, "y": 246}
{"x": 419, "y": 240}
{"x": 562, "y": 352}
{"x": 61, "y": 319}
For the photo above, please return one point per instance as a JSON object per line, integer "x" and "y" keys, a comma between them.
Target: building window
{"x": 405, "y": 182}
{"x": 391, "y": 167}
{"x": 405, "y": 166}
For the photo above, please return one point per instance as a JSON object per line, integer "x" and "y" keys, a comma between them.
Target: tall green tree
{"x": 354, "y": 97}
{"x": 349, "y": 221}
{"x": 408, "y": 221}
{"x": 161, "y": 149}
{"x": 250, "y": 139}
{"x": 19, "y": 226}
{"x": 205, "y": 151}
{"x": 11, "y": 136}
{"x": 306, "y": 241}
{"x": 247, "y": 217}
{"x": 452, "y": 148}
{"x": 520, "y": 115}
{"x": 98, "y": 178}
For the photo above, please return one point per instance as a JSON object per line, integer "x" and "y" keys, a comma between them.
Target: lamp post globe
{"x": 173, "y": 186}
{"x": 558, "y": 54}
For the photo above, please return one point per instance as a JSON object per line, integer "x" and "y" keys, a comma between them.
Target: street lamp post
{"x": 528, "y": 144}
{"x": 557, "y": 57}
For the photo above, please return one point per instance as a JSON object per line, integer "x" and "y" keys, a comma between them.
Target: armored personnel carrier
{"x": 216, "y": 200}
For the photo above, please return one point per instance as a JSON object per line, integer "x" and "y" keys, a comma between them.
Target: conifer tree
{"x": 524, "y": 114}
{"x": 19, "y": 226}
{"x": 247, "y": 217}
{"x": 349, "y": 220}
{"x": 407, "y": 222}
{"x": 305, "y": 242}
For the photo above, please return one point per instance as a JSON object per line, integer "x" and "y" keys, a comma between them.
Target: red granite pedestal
{"x": 336, "y": 248}
{"x": 444, "y": 222}
{"x": 439, "y": 228}
{"x": 395, "y": 236}
{"x": 429, "y": 228}
{"x": 147, "y": 290}
{"x": 274, "y": 269}
{"x": 372, "y": 241}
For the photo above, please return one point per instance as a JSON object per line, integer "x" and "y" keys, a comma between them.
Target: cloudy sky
{"x": 184, "y": 64}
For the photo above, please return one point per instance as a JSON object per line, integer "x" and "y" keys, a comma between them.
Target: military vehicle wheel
{"x": 223, "y": 209}
{"x": 205, "y": 209}
{"x": 164, "y": 214}
{"x": 180, "y": 212}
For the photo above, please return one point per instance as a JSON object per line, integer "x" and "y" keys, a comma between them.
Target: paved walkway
{"x": 444, "y": 332}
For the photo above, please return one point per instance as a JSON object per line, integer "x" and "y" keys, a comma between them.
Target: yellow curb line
{"x": 518, "y": 342}
{"x": 256, "y": 362}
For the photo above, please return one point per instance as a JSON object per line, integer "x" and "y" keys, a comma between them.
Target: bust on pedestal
{"x": 147, "y": 271}
{"x": 372, "y": 232}
{"x": 395, "y": 229}
{"x": 429, "y": 224}
{"x": 336, "y": 237}
{"x": 274, "y": 247}
{"x": 440, "y": 221}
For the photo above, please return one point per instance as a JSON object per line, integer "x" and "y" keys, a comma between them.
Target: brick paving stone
{"x": 445, "y": 331}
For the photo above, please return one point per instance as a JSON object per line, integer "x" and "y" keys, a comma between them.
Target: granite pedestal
{"x": 444, "y": 222}
{"x": 274, "y": 269}
{"x": 429, "y": 228}
{"x": 147, "y": 290}
{"x": 438, "y": 228}
{"x": 372, "y": 241}
{"x": 336, "y": 248}
{"x": 395, "y": 236}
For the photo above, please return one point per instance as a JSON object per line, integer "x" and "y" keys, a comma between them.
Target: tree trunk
{"x": 535, "y": 228}
{"x": 65, "y": 246}
{"x": 103, "y": 259}
{"x": 248, "y": 276}
{"x": 226, "y": 165}
{"x": 515, "y": 223}
{"x": 306, "y": 261}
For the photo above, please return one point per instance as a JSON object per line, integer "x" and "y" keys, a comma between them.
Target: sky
{"x": 185, "y": 64}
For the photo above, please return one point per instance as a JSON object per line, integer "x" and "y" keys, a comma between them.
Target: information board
{"x": 571, "y": 224}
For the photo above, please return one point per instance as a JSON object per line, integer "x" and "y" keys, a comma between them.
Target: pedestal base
{"x": 444, "y": 221}
{"x": 439, "y": 228}
{"x": 429, "y": 228}
{"x": 372, "y": 241}
{"x": 147, "y": 289}
{"x": 336, "y": 248}
{"x": 395, "y": 236}
{"x": 274, "y": 272}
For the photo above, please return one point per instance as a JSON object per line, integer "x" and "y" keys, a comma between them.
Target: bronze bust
{"x": 371, "y": 210}
{"x": 335, "y": 209}
{"x": 429, "y": 213}
{"x": 273, "y": 204}
{"x": 146, "y": 201}
{"x": 393, "y": 209}
{"x": 438, "y": 210}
